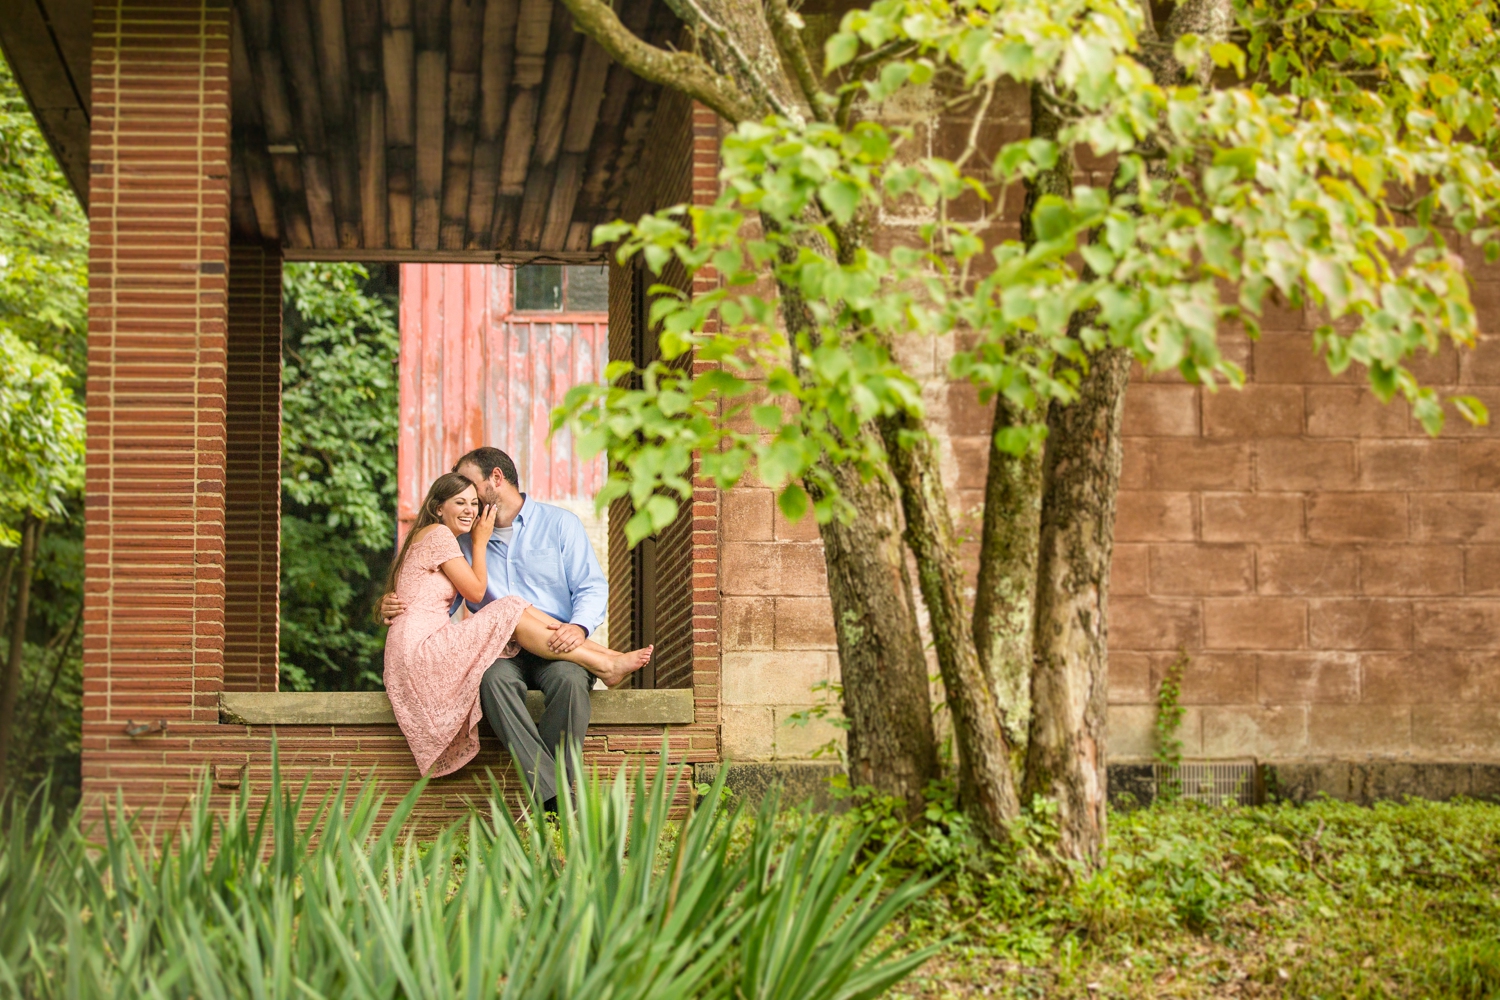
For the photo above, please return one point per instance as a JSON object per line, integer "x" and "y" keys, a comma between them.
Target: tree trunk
{"x": 10, "y": 565}
{"x": 11, "y": 689}
{"x": 1005, "y": 600}
{"x": 1081, "y": 476}
{"x": 881, "y": 661}
{"x": 986, "y": 781}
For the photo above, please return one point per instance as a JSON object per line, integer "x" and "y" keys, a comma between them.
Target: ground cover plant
{"x": 1324, "y": 900}
{"x": 312, "y": 900}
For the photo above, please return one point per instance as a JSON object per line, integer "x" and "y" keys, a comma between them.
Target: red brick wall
{"x": 252, "y": 488}
{"x": 155, "y": 577}
{"x": 159, "y": 197}
{"x": 669, "y": 175}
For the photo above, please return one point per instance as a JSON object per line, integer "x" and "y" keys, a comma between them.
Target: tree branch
{"x": 679, "y": 70}
{"x": 784, "y": 29}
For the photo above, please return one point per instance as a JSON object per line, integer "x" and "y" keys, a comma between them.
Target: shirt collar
{"x": 528, "y": 507}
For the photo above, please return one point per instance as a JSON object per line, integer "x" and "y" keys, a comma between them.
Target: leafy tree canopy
{"x": 1335, "y": 155}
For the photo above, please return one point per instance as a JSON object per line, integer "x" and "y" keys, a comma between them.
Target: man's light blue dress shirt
{"x": 549, "y": 562}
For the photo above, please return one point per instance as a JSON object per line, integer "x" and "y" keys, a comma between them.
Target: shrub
{"x": 614, "y": 901}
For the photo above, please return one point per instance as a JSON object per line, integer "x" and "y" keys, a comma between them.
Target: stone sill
{"x": 372, "y": 708}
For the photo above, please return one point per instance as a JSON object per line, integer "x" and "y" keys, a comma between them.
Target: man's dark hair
{"x": 488, "y": 460}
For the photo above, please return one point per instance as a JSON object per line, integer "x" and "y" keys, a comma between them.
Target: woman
{"x": 432, "y": 665}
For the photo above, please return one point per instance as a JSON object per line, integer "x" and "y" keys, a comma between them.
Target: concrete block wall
{"x": 1326, "y": 564}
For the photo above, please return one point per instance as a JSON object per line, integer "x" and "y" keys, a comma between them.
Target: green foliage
{"x": 43, "y": 316}
{"x": 1321, "y": 900}
{"x": 41, "y": 435}
{"x": 43, "y": 240}
{"x": 1347, "y": 191}
{"x": 1169, "y": 712}
{"x": 615, "y": 901}
{"x": 340, "y": 397}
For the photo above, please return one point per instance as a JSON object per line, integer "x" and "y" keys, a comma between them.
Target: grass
{"x": 1327, "y": 900}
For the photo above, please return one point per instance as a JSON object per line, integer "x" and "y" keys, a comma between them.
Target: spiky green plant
{"x": 616, "y": 902}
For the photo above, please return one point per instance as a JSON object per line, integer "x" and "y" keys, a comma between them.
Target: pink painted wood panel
{"x": 475, "y": 372}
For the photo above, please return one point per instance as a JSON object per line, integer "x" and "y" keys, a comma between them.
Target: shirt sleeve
{"x": 465, "y": 548}
{"x": 587, "y": 585}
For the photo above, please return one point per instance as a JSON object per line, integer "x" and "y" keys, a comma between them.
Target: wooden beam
{"x": 583, "y": 114}
{"x": 300, "y": 61}
{"x": 533, "y": 29}
{"x": 373, "y": 189}
{"x": 362, "y": 22}
{"x": 248, "y": 135}
{"x": 412, "y": 256}
{"x": 432, "y": 87}
{"x": 565, "y": 185}
{"x": 399, "y": 63}
{"x": 242, "y": 222}
{"x": 336, "y": 92}
{"x": 533, "y": 216}
{"x": 503, "y": 229}
{"x": 259, "y": 30}
{"x": 496, "y": 61}
{"x": 465, "y": 38}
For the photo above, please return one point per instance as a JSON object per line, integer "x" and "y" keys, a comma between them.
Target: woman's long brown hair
{"x": 443, "y": 488}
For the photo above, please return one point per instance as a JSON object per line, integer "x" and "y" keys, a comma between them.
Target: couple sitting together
{"x": 534, "y": 585}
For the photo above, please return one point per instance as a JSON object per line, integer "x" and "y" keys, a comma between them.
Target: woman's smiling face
{"x": 459, "y": 512}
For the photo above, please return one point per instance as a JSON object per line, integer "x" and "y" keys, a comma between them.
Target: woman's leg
{"x": 533, "y": 634}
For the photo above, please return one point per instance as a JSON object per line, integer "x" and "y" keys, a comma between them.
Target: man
{"x": 542, "y": 554}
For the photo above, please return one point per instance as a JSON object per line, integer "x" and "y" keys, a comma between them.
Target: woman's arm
{"x": 473, "y": 581}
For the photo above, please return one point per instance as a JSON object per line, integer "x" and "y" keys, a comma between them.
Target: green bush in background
{"x": 340, "y": 395}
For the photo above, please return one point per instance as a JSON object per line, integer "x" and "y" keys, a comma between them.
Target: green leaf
{"x": 1228, "y": 54}
{"x": 840, "y": 49}
{"x": 841, "y": 197}
{"x": 793, "y": 502}
{"x": 1188, "y": 49}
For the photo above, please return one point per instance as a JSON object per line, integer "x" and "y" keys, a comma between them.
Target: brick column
{"x": 159, "y": 225}
{"x": 252, "y": 488}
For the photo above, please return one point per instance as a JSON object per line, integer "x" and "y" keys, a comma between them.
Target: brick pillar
{"x": 159, "y": 232}
{"x": 252, "y": 488}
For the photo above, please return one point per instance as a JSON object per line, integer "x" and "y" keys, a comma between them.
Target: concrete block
{"x": 801, "y": 742}
{"x": 1307, "y": 569}
{"x": 1359, "y": 729}
{"x": 1254, "y": 731}
{"x": 1254, "y": 623}
{"x": 748, "y": 732}
{"x": 776, "y": 678}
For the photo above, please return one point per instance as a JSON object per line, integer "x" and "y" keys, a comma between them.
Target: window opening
{"x": 562, "y": 288}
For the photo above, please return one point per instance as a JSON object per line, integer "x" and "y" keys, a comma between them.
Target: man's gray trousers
{"x": 565, "y": 719}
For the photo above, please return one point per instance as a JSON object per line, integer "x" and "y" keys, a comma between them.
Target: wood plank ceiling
{"x": 432, "y": 129}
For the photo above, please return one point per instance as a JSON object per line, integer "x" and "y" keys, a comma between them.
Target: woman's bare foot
{"x": 623, "y": 665}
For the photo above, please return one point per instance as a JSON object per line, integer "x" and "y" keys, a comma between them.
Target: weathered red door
{"x": 475, "y": 371}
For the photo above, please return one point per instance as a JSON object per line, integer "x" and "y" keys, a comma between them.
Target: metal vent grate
{"x": 1212, "y": 783}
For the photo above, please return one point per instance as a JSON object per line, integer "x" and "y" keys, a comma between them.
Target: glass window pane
{"x": 539, "y": 288}
{"x": 588, "y": 288}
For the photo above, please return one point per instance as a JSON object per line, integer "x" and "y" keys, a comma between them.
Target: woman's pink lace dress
{"x": 433, "y": 665}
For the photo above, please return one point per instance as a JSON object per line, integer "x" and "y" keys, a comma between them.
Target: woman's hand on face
{"x": 484, "y": 525}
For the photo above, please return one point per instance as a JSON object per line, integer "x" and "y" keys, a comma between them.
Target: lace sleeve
{"x": 438, "y": 547}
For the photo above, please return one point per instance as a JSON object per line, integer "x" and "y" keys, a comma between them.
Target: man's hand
{"x": 566, "y": 638}
{"x": 391, "y": 607}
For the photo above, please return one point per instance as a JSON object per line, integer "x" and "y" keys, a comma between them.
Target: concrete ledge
{"x": 373, "y": 708}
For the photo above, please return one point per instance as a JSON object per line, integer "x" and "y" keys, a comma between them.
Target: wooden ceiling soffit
{"x": 49, "y": 45}
{"x": 440, "y": 129}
